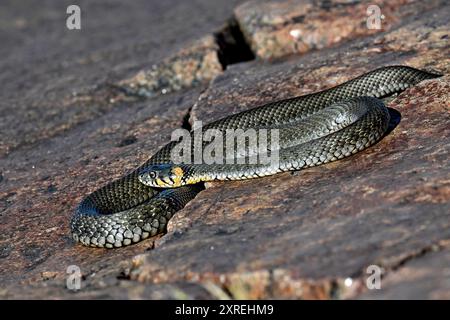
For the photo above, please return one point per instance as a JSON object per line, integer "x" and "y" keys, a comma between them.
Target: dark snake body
{"x": 314, "y": 129}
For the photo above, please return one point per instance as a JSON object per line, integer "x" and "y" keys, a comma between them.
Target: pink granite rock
{"x": 312, "y": 234}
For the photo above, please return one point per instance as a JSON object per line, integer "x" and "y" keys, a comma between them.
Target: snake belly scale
{"x": 314, "y": 129}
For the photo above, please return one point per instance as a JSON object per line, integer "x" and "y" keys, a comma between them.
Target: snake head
{"x": 162, "y": 176}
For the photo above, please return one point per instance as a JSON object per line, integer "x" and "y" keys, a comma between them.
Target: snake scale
{"x": 314, "y": 129}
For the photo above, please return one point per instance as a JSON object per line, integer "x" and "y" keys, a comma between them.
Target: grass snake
{"x": 313, "y": 129}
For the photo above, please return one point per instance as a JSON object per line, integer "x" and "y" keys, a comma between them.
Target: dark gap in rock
{"x": 335, "y": 290}
{"x": 185, "y": 124}
{"x": 233, "y": 48}
{"x": 5, "y": 250}
{"x": 329, "y": 4}
{"x": 298, "y": 19}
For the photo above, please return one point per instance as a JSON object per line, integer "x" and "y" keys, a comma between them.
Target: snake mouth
{"x": 162, "y": 176}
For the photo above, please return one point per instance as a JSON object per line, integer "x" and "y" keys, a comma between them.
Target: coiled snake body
{"x": 314, "y": 129}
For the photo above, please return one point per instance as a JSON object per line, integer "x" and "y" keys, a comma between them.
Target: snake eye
{"x": 152, "y": 174}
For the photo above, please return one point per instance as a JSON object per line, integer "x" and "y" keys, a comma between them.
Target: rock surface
{"x": 66, "y": 131}
{"x": 198, "y": 63}
{"x": 277, "y": 28}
